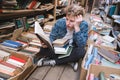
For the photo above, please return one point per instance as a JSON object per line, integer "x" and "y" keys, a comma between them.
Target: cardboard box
{"x": 83, "y": 71}
{"x": 96, "y": 69}
{"x": 26, "y": 68}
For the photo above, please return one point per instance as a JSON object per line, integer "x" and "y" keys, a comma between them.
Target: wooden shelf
{"x": 12, "y": 14}
{"x": 19, "y": 13}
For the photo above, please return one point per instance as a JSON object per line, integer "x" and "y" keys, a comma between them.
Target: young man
{"x": 72, "y": 27}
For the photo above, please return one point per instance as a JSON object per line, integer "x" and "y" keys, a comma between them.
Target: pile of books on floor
{"x": 99, "y": 40}
{"x": 10, "y": 44}
{"x": 102, "y": 53}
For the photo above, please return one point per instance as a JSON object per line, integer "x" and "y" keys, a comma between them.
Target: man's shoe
{"x": 40, "y": 62}
{"x": 49, "y": 62}
{"x": 74, "y": 66}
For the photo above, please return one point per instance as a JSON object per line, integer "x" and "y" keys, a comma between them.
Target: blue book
{"x": 12, "y": 44}
{"x": 88, "y": 61}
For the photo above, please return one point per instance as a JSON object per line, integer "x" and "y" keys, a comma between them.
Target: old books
{"x": 108, "y": 55}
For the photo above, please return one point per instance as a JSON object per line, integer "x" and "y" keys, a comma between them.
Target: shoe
{"x": 74, "y": 66}
{"x": 40, "y": 62}
{"x": 49, "y": 62}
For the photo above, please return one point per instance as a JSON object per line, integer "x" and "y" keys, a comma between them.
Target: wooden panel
{"x": 39, "y": 73}
{"x": 55, "y": 73}
{"x": 69, "y": 74}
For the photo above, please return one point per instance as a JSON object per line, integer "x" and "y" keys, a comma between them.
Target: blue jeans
{"x": 76, "y": 54}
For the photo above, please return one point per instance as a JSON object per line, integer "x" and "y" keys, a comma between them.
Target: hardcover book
{"x": 108, "y": 55}
{"x": 11, "y": 43}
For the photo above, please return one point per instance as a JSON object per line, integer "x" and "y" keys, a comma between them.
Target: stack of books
{"x": 16, "y": 61}
{"x": 61, "y": 46}
{"x": 3, "y": 54}
{"x": 11, "y": 67}
{"x": 10, "y": 44}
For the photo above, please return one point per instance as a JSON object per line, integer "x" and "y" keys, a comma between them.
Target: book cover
{"x": 10, "y": 48}
{"x": 108, "y": 55}
{"x": 11, "y": 43}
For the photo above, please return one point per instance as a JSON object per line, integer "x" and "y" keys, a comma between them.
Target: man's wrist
{"x": 77, "y": 28}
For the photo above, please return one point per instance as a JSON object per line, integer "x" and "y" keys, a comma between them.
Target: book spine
{"x": 17, "y": 59}
{"x": 14, "y": 62}
{"x": 4, "y": 71}
{"x": 5, "y": 76}
{"x": 8, "y": 64}
{"x": 91, "y": 77}
{"x": 102, "y": 76}
{"x": 7, "y": 68}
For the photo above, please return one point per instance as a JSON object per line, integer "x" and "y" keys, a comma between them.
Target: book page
{"x": 60, "y": 41}
{"x": 41, "y": 35}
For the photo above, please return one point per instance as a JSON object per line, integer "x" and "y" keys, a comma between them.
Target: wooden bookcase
{"x": 11, "y": 15}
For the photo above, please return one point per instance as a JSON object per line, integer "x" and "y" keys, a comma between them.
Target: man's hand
{"x": 78, "y": 20}
{"x": 43, "y": 45}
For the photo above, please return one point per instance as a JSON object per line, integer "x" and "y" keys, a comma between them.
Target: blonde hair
{"x": 74, "y": 10}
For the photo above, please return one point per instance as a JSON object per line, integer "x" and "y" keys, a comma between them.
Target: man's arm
{"x": 82, "y": 35}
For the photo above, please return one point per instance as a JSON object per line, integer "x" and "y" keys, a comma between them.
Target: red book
{"x": 17, "y": 59}
{"x": 8, "y": 64}
{"x": 32, "y": 4}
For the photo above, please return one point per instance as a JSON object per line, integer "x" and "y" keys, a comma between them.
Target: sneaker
{"x": 40, "y": 62}
{"x": 74, "y": 66}
{"x": 49, "y": 62}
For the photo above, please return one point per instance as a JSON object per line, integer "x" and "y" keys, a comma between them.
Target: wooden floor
{"x": 61, "y": 72}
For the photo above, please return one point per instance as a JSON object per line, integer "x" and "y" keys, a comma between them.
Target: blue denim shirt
{"x": 79, "y": 38}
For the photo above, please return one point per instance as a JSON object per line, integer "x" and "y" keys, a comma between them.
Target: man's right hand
{"x": 44, "y": 46}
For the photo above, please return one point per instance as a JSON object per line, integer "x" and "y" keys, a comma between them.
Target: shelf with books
{"x": 6, "y": 14}
{"x": 60, "y": 5}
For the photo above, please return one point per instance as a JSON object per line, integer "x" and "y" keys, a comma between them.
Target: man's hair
{"x": 74, "y": 10}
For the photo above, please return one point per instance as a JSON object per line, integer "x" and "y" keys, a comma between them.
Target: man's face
{"x": 70, "y": 20}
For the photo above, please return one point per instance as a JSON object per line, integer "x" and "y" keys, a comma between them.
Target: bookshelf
{"x": 9, "y": 15}
{"x": 59, "y": 7}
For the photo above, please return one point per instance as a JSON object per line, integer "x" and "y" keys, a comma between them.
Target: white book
{"x": 34, "y": 43}
{"x": 3, "y": 67}
{"x": 41, "y": 35}
{"x": 59, "y": 50}
{"x": 108, "y": 38}
{"x": 14, "y": 62}
{"x": 4, "y": 53}
{"x": 32, "y": 49}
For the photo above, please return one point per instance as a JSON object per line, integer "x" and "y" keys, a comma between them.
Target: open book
{"x": 41, "y": 35}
